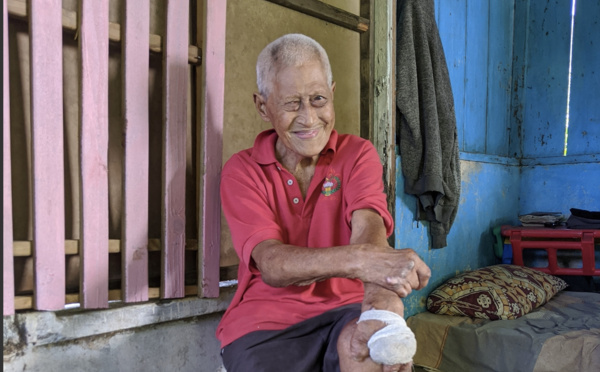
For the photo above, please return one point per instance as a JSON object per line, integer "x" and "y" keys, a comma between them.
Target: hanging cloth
{"x": 426, "y": 124}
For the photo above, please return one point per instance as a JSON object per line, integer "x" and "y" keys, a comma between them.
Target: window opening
{"x": 570, "y": 70}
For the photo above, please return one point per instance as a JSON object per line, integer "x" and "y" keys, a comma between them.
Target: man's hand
{"x": 399, "y": 271}
{"x": 359, "y": 349}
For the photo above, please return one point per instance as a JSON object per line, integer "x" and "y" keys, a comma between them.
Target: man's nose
{"x": 308, "y": 115}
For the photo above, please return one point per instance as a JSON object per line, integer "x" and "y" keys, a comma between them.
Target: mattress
{"x": 562, "y": 335}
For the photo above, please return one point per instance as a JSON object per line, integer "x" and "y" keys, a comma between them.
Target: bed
{"x": 527, "y": 321}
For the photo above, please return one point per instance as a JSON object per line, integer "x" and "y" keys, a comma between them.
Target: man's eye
{"x": 292, "y": 105}
{"x": 319, "y": 101}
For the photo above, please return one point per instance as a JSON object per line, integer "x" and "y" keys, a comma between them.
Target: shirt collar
{"x": 263, "y": 151}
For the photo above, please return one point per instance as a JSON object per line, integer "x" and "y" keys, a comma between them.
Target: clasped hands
{"x": 399, "y": 271}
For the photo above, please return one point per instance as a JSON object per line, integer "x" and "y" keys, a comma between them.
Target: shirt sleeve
{"x": 365, "y": 189}
{"x": 246, "y": 208}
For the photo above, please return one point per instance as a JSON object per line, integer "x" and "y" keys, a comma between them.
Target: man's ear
{"x": 260, "y": 104}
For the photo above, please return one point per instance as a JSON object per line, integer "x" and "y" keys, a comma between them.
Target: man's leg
{"x": 307, "y": 346}
{"x": 347, "y": 361}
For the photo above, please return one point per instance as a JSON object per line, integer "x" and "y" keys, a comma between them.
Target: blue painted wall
{"x": 508, "y": 62}
{"x": 478, "y": 42}
{"x": 544, "y": 36}
{"x": 584, "y": 127}
{"x": 551, "y": 181}
{"x": 489, "y": 198}
{"x": 544, "y": 94}
{"x": 558, "y": 187}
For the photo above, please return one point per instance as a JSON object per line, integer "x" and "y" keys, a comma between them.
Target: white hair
{"x": 288, "y": 50}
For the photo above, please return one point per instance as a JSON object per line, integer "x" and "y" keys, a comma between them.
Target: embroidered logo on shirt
{"x": 331, "y": 185}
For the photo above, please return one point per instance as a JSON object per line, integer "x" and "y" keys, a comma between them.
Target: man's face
{"x": 300, "y": 108}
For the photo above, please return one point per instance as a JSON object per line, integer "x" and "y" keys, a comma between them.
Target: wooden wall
{"x": 543, "y": 37}
{"x": 248, "y": 32}
{"x": 95, "y": 129}
{"x": 550, "y": 180}
{"x": 478, "y": 42}
{"x": 477, "y": 37}
{"x": 508, "y": 64}
{"x": 21, "y": 132}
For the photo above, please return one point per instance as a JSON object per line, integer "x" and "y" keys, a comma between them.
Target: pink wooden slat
{"x": 213, "y": 146}
{"x": 587, "y": 253}
{"x": 45, "y": 30}
{"x": 175, "y": 85}
{"x": 136, "y": 32}
{"x": 552, "y": 264}
{"x": 7, "y": 232}
{"x": 93, "y": 44}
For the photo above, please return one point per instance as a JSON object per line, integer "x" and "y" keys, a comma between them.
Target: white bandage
{"x": 393, "y": 344}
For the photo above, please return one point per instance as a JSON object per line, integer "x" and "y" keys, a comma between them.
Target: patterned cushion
{"x": 494, "y": 292}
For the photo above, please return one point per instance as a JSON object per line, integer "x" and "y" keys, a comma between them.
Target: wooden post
{"x": 93, "y": 135}
{"x": 175, "y": 87}
{"x": 327, "y": 13}
{"x": 366, "y": 92}
{"x": 382, "y": 97}
{"x": 7, "y": 231}
{"x": 212, "y": 145}
{"x": 45, "y": 30}
{"x": 135, "y": 66}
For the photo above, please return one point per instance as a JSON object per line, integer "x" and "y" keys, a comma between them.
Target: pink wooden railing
{"x": 175, "y": 75}
{"x": 93, "y": 139}
{"x": 136, "y": 62}
{"x": 47, "y": 153}
{"x": 214, "y": 100}
{"x": 45, "y": 32}
{"x": 7, "y": 233}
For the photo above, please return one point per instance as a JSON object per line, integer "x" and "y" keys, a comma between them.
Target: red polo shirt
{"x": 262, "y": 200}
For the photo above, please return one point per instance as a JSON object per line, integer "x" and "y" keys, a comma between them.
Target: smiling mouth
{"x": 306, "y": 134}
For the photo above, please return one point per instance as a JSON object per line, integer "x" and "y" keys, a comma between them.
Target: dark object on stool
{"x": 580, "y": 283}
{"x": 582, "y": 219}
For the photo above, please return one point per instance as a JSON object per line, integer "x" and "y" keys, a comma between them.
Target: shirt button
{"x": 296, "y": 200}
{"x": 290, "y": 182}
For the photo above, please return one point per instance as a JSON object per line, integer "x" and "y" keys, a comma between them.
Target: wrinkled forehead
{"x": 309, "y": 77}
{"x": 299, "y": 70}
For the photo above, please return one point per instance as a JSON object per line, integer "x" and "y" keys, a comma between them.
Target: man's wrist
{"x": 379, "y": 298}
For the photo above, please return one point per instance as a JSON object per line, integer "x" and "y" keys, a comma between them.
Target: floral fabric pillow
{"x": 494, "y": 292}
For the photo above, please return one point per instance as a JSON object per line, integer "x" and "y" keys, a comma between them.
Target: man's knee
{"x": 353, "y": 359}
{"x": 345, "y": 339}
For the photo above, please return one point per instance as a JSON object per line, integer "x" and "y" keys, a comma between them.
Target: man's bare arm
{"x": 368, "y": 226}
{"x": 369, "y": 258}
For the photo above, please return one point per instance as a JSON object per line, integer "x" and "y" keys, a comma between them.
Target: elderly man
{"x": 319, "y": 287}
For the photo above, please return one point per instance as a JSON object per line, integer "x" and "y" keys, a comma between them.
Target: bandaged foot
{"x": 393, "y": 344}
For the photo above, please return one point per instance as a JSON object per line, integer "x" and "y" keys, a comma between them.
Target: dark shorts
{"x": 308, "y": 346}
